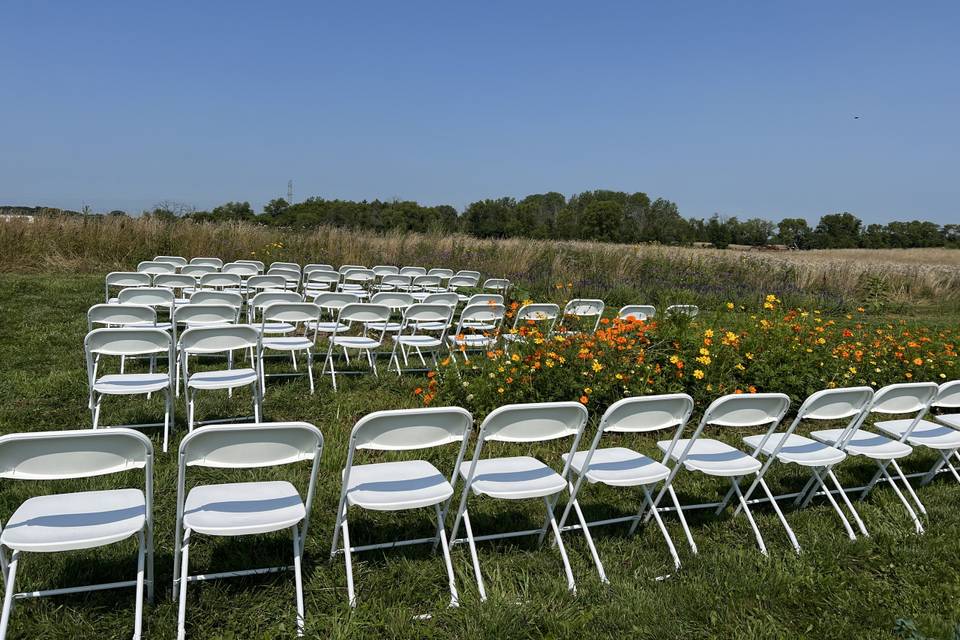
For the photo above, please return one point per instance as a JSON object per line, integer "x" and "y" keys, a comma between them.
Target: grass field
{"x": 835, "y": 589}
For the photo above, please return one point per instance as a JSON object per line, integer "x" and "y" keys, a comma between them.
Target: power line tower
{"x": 289, "y": 191}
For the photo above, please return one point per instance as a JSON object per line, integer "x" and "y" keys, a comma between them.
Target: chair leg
{"x": 586, "y": 534}
{"x": 310, "y": 369}
{"x": 138, "y": 607}
{"x": 848, "y": 503}
{"x": 442, "y": 535}
{"x": 190, "y": 409}
{"x": 571, "y": 585}
{"x": 746, "y": 510}
{"x": 167, "y": 413}
{"x": 184, "y": 564}
{"x": 648, "y": 499}
{"x": 8, "y": 593}
{"x": 913, "y": 516}
{"x": 906, "y": 483}
{"x": 683, "y": 518}
{"x": 149, "y": 552}
{"x": 473, "y": 556}
{"x": 348, "y": 559}
{"x": 96, "y": 411}
{"x": 256, "y": 402}
{"x": 833, "y": 503}
{"x": 783, "y": 519}
{"x": 298, "y": 580}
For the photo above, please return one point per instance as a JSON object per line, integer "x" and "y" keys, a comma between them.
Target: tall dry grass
{"x": 618, "y": 273}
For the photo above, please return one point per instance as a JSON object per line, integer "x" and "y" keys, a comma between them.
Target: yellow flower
{"x": 708, "y": 333}
{"x": 698, "y": 374}
{"x": 704, "y": 351}
{"x": 739, "y": 367}
{"x": 596, "y": 366}
{"x": 730, "y": 305}
{"x": 515, "y": 357}
{"x": 674, "y": 359}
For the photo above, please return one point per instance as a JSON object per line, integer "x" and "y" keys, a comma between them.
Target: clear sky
{"x": 741, "y": 108}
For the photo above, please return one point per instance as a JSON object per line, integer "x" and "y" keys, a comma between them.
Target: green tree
{"x": 794, "y": 232}
{"x": 837, "y": 231}
{"x": 275, "y": 207}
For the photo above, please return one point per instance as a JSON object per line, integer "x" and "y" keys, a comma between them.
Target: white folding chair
{"x": 200, "y": 315}
{"x": 477, "y": 329}
{"x": 788, "y": 447}
{"x": 422, "y": 286}
{"x": 177, "y": 261}
{"x": 155, "y": 297}
{"x": 176, "y": 282}
{"x": 458, "y": 282}
{"x": 259, "y": 302}
{"x": 127, "y": 342}
{"x": 624, "y": 467}
{"x": 319, "y": 281}
{"x": 213, "y": 340}
{"x": 316, "y": 266}
{"x": 300, "y": 315}
{"x": 640, "y": 312}
{"x": 350, "y": 317}
{"x": 209, "y": 296}
{"x": 221, "y": 281}
{"x": 715, "y": 458}
{"x": 153, "y": 267}
{"x": 291, "y": 277}
{"x": 394, "y": 282}
{"x": 401, "y": 485}
{"x": 539, "y": 318}
{"x": 291, "y": 266}
{"x": 330, "y": 305}
{"x": 944, "y": 438}
{"x": 444, "y": 274}
{"x": 122, "y": 315}
{"x": 243, "y": 508}
{"x": 912, "y": 397}
{"x": 357, "y": 281}
{"x": 413, "y": 272}
{"x": 398, "y": 301}
{"x": 683, "y": 310}
{"x": 216, "y": 263}
{"x": 423, "y": 331}
{"x": 196, "y": 271}
{"x": 581, "y": 312}
{"x": 269, "y": 282}
{"x": 124, "y": 279}
{"x": 522, "y": 477}
{"x": 501, "y": 285}
{"x": 80, "y": 520}
{"x": 256, "y": 263}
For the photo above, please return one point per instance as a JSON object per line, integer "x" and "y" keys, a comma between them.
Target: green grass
{"x": 835, "y": 589}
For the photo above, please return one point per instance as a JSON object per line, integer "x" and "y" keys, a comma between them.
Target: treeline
{"x": 605, "y": 216}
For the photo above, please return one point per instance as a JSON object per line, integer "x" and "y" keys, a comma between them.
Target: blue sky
{"x": 741, "y": 108}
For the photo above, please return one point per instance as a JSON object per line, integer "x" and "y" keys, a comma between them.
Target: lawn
{"x": 835, "y": 589}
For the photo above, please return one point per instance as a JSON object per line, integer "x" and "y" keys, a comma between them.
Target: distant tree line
{"x": 605, "y": 216}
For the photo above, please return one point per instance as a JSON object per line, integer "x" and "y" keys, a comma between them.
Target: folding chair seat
{"x": 477, "y": 329}
{"x": 641, "y": 312}
{"x": 716, "y": 458}
{"x": 243, "y": 508}
{"x": 944, "y": 438}
{"x": 124, "y": 279}
{"x": 522, "y": 477}
{"x": 623, "y": 467}
{"x": 788, "y": 447}
{"x": 400, "y": 485}
{"x": 130, "y": 342}
{"x": 78, "y": 520}
{"x": 537, "y": 317}
{"x": 581, "y": 311}
{"x": 299, "y": 314}
{"x": 350, "y": 317}
{"x": 893, "y": 399}
{"x": 215, "y": 340}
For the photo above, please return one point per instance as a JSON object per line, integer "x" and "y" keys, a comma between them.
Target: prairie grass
{"x": 889, "y": 280}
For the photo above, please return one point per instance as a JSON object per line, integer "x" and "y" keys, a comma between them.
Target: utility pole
{"x": 289, "y": 191}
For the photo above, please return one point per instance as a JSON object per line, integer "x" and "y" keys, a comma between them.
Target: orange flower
{"x": 584, "y": 399}
{"x": 417, "y": 391}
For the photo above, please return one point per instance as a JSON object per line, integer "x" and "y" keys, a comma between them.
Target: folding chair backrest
{"x": 120, "y": 314}
{"x": 349, "y": 267}
{"x": 177, "y": 261}
{"x": 250, "y": 446}
{"x": 425, "y": 281}
{"x": 643, "y": 414}
{"x": 836, "y": 404}
{"x": 213, "y": 262}
{"x": 220, "y": 279}
{"x": 364, "y": 312}
{"x": 496, "y": 284}
{"x": 231, "y": 298}
{"x": 219, "y": 338}
{"x": 909, "y": 397}
{"x": 63, "y": 455}
{"x": 127, "y": 341}
{"x": 288, "y": 275}
{"x": 320, "y": 277}
{"x": 472, "y": 274}
{"x": 335, "y": 301}
{"x": 197, "y": 270}
{"x": 449, "y": 299}
{"x": 200, "y": 314}
{"x": 485, "y": 298}
{"x": 948, "y": 395}
{"x": 396, "y": 280}
{"x": 537, "y": 312}
{"x": 242, "y": 269}
{"x": 149, "y": 296}
{"x": 257, "y": 263}
{"x": 637, "y": 311}
{"x": 483, "y": 312}
{"x": 358, "y": 276}
{"x": 408, "y": 429}
{"x": 265, "y": 298}
{"x": 747, "y": 410}
{"x": 269, "y": 281}
{"x": 534, "y": 422}
{"x": 291, "y": 312}
{"x": 153, "y": 267}
{"x": 385, "y": 270}
{"x": 426, "y": 312}
{"x": 443, "y": 274}
{"x": 316, "y": 266}
{"x": 413, "y": 271}
{"x": 292, "y": 266}
{"x": 584, "y": 308}
{"x": 174, "y": 281}
{"x": 393, "y": 299}
{"x": 128, "y": 279}
{"x": 689, "y": 310}
{"x": 462, "y": 281}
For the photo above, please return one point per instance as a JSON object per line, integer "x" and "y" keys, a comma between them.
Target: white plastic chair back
{"x": 177, "y": 261}
{"x": 269, "y": 281}
{"x": 292, "y": 266}
{"x": 349, "y": 267}
{"x": 846, "y": 403}
{"x": 290, "y": 276}
{"x": 457, "y": 282}
{"x": 364, "y": 312}
{"x": 153, "y": 267}
{"x": 437, "y": 315}
{"x": 472, "y": 274}
{"x": 395, "y": 281}
{"x": 335, "y": 301}
{"x": 746, "y": 410}
{"x": 265, "y": 298}
{"x": 219, "y": 339}
{"x": 127, "y": 341}
{"x": 425, "y": 282}
{"x": 413, "y": 271}
{"x": 125, "y": 279}
{"x": 216, "y": 263}
{"x": 231, "y": 298}
{"x": 83, "y": 453}
{"x": 118, "y": 315}
{"x": 385, "y": 270}
{"x": 251, "y": 446}
{"x": 443, "y": 274}
{"x": 220, "y": 280}
{"x": 637, "y": 312}
{"x": 585, "y": 308}
{"x": 644, "y": 414}
{"x": 242, "y": 269}
{"x": 537, "y": 313}
{"x": 205, "y": 314}
{"x": 909, "y": 397}
{"x": 481, "y": 313}
{"x": 449, "y": 299}
{"x": 197, "y": 270}
{"x": 496, "y": 284}
{"x": 174, "y": 281}
{"x": 321, "y": 280}
{"x": 948, "y": 396}
{"x": 149, "y": 296}
{"x": 396, "y": 300}
{"x": 688, "y": 310}
{"x": 534, "y": 422}
{"x": 485, "y": 298}
{"x": 409, "y": 429}
{"x": 316, "y": 266}
{"x": 292, "y": 312}
{"x": 358, "y": 276}
{"x": 257, "y": 263}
